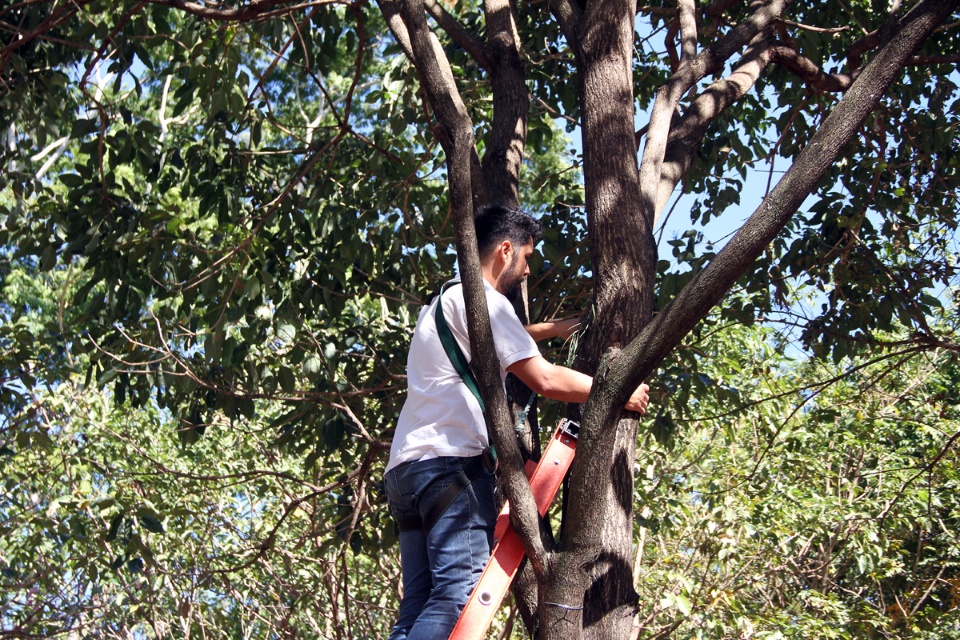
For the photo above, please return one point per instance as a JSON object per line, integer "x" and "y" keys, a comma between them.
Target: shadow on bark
{"x": 611, "y": 590}
{"x": 621, "y": 477}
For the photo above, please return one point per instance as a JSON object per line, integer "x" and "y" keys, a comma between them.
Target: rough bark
{"x": 501, "y": 172}
{"x": 901, "y": 39}
{"x": 511, "y": 104}
{"x": 589, "y": 588}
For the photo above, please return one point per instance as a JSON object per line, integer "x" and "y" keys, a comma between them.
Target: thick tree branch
{"x": 501, "y": 172}
{"x": 927, "y": 60}
{"x": 470, "y": 43}
{"x": 391, "y": 13}
{"x": 567, "y": 14}
{"x": 651, "y": 10}
{"x": 705, "y": 108}
{"x": 668, "y": 97}
{"x": 511, "y": 105}
{"x": 857, "y": 50}
{"x": 455, "y": 132}
{"x": 688, "y": 30}
{"x": 717, "y": 8}
{"x": 808, "y": 71}
{"x": 257, "y": 10}
{"x": 669, "y": 41}
{"x": 807, "y": 27}
{"x": 689, "y": 129}
{"x": 901, "y": 39}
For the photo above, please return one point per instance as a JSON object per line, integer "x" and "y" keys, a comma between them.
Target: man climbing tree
{"x": 242, "y": 202}
{"x": 439, "y": 479}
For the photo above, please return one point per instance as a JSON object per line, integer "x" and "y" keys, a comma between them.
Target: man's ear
{"x": 504, "y": 250}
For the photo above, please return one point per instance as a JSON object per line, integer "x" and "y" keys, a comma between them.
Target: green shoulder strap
{"x": 454, "y": 352}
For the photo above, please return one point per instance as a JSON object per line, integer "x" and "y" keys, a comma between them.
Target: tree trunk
{"x": 585, "y": 584}
{"x": 511, "y": 105}
{"x": 501, "y": 172}
{"x": 589, "y": 588}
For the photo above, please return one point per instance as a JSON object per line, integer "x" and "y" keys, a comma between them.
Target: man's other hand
{"x": 639, "y": 399}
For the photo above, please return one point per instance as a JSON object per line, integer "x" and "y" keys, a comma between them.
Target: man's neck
{"x": 486, "y": 269}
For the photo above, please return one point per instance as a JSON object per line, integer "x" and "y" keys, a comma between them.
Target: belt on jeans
{"x": 471, "y": 471}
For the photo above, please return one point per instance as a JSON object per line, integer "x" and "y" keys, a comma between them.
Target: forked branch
{"x": 900, "y": 41}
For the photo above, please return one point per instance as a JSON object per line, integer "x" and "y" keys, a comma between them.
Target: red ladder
{"x": 508, "y": 553}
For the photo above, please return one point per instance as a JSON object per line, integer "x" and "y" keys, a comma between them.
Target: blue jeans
{"x": 441, "y": 567}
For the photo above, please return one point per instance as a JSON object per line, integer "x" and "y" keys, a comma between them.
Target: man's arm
{"x": 567, "y": 385}
{"x": 557, "y": 328}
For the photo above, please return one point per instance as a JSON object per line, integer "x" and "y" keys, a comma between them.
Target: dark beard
{"x": 511, "y": 287}
{"x": 512, "y": 290}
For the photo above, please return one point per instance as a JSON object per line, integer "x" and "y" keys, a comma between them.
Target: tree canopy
{"x": 220, "y": 219}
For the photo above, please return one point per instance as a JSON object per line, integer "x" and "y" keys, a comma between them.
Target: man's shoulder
{"x": 499, "y": 306}
{"x": 454, "y": 292}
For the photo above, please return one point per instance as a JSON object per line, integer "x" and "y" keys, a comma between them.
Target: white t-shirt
{"x": 441, "y": 417}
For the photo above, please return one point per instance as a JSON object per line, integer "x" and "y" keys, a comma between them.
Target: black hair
{"x": 497, "y": 222}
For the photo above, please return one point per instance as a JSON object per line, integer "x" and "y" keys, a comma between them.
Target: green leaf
{"x": 151, "y": 523}
{"x": 313, "y": 366}
{"x": 72, "y": 180}
{"x": 287, "y": 380}
{"x": 114, "y": 527}
{"x": 287, "y": 332}
{"x": 683, "y": 604}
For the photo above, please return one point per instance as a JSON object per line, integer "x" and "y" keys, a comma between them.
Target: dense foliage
{"x": 824, "y": 505}
{"x": 781, "y": 498}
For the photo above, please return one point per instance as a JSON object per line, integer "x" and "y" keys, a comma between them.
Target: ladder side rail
{"x": 508, "y": 553}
